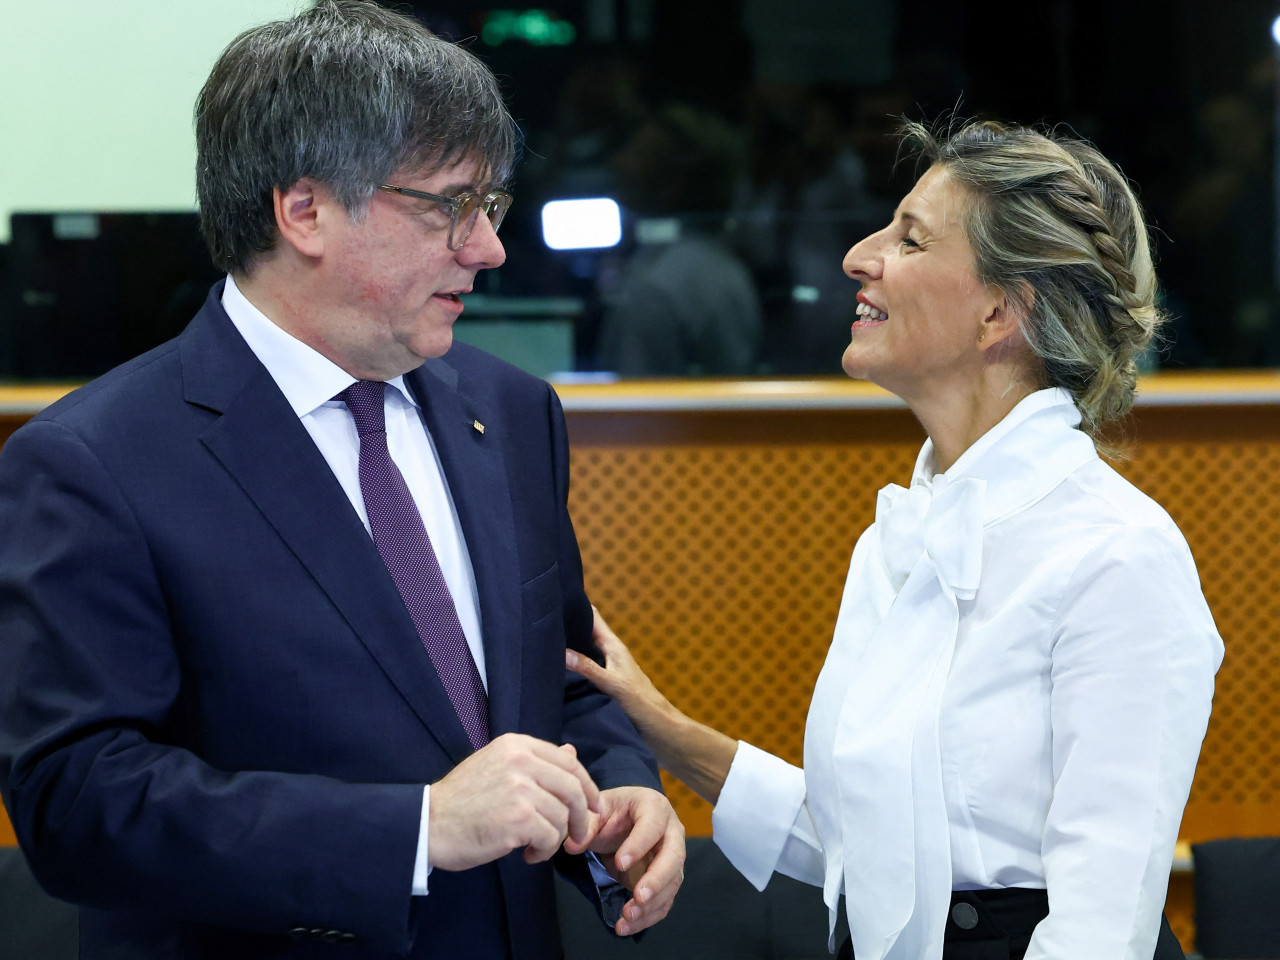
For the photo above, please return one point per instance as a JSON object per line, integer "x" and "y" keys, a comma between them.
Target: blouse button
{"x": 964, "y": 916}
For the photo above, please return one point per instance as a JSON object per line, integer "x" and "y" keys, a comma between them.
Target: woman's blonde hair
{"x": 1057, "y": 228}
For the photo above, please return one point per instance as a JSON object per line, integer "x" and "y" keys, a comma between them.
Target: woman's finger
{"x": 617, "y": 656}
{"x": 620, "y": 677}
{"x": 609, "y": 642}
{"x": 584, "y": 666}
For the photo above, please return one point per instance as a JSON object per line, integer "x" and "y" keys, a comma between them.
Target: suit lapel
{"x": 265, "y": 448}
{"x": 476, "y": 472}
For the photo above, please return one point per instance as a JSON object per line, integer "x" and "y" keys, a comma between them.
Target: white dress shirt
{"x": 310, "y": 381}
{"x": 1015, "y": 696}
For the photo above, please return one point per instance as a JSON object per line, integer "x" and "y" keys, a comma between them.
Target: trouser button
{"x": 964, "y": 916}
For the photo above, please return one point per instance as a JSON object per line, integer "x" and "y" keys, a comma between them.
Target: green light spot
{"x": 535, "y": 27}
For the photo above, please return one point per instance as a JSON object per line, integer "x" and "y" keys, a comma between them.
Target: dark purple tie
{"x": 406, "y": 549}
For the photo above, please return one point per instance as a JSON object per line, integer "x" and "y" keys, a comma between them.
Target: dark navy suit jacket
{"x": 216, "y": 717}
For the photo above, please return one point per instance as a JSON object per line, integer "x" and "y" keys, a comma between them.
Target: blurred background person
{"x": 685, "y": 304}
{"x": 1223, "y": 213}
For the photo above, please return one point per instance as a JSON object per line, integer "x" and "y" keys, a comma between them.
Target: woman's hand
{"x": 622, "y": 679}
{"x": 693, "y": 752}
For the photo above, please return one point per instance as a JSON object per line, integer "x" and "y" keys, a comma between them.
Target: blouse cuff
{"x": 758, "y": 805}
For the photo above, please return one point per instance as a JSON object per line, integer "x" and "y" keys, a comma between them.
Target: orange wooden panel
{"x": 10, "y": 423}
{"x": 1180, "y": 907}
{"x": 7, "y": 839}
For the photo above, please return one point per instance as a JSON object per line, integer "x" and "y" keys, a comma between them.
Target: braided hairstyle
{"x": 1057, "y": 228}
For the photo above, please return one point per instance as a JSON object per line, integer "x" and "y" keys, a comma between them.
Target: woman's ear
{"x": 1004, "y": 320}
{"x": 301, "y": 216}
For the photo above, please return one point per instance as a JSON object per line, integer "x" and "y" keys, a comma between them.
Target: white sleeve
{"x": 1134, "y": 656}
{"x": 420, "y": 868}
{"x": 761, "y": 822}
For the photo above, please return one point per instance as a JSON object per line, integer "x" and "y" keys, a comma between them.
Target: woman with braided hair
{"x": 1003, "y": 736}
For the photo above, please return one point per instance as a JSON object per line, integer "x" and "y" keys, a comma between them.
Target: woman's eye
{"x": 906, "y": 241}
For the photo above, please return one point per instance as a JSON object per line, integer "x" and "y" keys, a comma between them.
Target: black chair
{"x": 33, "y": 925}
{"x": 1237, "y": 888}
{"x": 717, "y": 915}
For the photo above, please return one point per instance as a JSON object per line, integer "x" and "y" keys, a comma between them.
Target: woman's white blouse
{"x": 1015, "y": 695}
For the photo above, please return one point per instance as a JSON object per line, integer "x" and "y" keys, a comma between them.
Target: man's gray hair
{"x": 345, "y": 93}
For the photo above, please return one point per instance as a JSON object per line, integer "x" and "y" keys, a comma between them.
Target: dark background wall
{"x": 1181, "y": 93}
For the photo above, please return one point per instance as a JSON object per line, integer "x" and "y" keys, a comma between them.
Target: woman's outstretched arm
{"x": 692, "y": 752}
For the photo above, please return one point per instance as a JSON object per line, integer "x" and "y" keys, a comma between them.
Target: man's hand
{"x": 516, "y": 791}
{"x": 640, "y": 841}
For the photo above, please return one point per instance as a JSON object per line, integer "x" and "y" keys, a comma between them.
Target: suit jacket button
{"x": 347, "y": 938}
{"x": 964, "y": 916}
{"x": 299, "y": 932}
{"x": 331, "y": 936}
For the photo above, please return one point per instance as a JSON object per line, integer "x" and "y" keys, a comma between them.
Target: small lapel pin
{"x": 478, "y": 425}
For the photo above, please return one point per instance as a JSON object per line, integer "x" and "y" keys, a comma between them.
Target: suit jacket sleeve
{"x": 607, "y": 743}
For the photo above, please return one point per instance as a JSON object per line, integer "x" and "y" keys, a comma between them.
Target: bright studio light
{"x": 581, "y": 224}
{"x": 1275, "y": 30}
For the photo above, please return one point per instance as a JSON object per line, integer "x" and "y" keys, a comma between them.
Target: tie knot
{"x": 364, "y": 399}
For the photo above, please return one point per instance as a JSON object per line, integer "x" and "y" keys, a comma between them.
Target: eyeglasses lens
{"x": 495, "y": 207}
{"x": 465, "y": 212}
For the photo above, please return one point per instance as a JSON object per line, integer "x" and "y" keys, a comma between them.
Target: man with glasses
{"x": 284, "y": 602}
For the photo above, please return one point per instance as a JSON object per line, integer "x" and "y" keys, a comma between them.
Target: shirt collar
{"x": 306, "y": 377}
{"x": 1021, "y": 458}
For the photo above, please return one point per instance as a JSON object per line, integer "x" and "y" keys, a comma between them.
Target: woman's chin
{"x": 853, "y": 363}
{"x": 858, "y": 367}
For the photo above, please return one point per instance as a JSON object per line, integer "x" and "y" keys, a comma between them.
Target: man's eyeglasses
{"x": 464, "y": 209}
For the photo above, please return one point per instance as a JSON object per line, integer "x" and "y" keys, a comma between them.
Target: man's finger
{"x": 565, "y": 789}
{"x": 648, "y": 828}
{"x": 658, "y": 886}
{"x": 666, "y": 870}
{"x": 575, "y": 845}
{"x": 566, "y": 758}
{"x": 544, "y": 840}
{"x": 637, "y": 917}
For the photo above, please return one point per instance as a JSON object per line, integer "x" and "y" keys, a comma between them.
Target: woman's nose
{"x": 863, "y": 261}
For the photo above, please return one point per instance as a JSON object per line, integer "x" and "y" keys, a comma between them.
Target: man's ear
{"x": 301, "y": 213}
